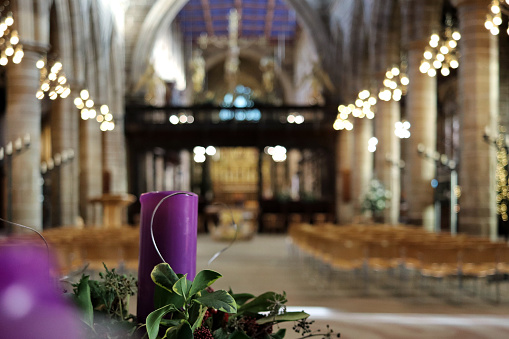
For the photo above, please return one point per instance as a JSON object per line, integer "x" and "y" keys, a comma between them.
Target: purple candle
{"x": 175, "y": 229}
{"x": 30, "y": 304}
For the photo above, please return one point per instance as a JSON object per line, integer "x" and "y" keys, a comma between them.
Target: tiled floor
{"x": 265, "y": 263}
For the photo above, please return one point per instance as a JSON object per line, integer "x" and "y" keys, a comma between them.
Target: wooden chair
{"x": 479, "y": 262}
{"x": 439, "y": 262}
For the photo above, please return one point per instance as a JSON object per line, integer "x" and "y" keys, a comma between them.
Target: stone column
{"x": 115, "y": 156}
{"x": 422, "y": 114}
{"x": 344, "y": 201}
{"x": 419, "y": 19}
{"x": 478, "y": 94}
{"x": 24, "y": 117}
{"x": 64, "y": 132}
{"x": 90, "y": 170}
{"x": 387, "y": 155}
{"x": 362, "y": 165}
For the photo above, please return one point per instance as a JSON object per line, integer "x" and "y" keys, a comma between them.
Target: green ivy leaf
{"x": 287, "y": 316}
{"x": 154, "y": 320}
{"x": 170, "y": 322}
{"x": 181, "y": 331}
{"x": 259, "y": 304}
{"x": 242, "y": 298}
{"x": 84, "y": 301}
{"x": 220, "y": 300}
{"x": 239, "y": 335}
{"x": 198, "y": 318}
{"x": 203, "y": 280}
{"x": 164, "y": 276}
{"x": 163, "y": 297}
{"x": 279, "y": 334}
{"x": 181, "y": 287}
{"x": 221, "y": 333}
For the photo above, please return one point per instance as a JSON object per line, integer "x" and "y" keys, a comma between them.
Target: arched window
{"x": 241, "y": 101}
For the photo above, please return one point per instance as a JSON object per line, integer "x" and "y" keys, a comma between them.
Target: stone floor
{"x": 266, "y": 263}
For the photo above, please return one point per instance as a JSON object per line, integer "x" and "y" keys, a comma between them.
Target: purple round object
{"x": 30, "y": 304}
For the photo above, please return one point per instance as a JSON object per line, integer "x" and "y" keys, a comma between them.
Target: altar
{"x": 113, "y": 208}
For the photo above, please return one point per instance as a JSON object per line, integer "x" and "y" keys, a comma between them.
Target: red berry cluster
{"x": 209, "y": 313}
{"x": 254, "y": 330}
{"x": 202, "y": 333}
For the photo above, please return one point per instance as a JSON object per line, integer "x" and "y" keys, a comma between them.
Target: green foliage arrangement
{"x": 375, "y": 199}
{"x": 186, "y": 309}
{"x": 105, "y": 304}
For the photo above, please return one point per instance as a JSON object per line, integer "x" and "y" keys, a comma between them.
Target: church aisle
{"x": 265, "y": 263}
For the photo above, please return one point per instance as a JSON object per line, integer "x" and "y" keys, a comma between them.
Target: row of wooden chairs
{"x": 75, "y": 248}
{"x": 405, "y": 250}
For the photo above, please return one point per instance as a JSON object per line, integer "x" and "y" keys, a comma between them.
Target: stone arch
{"x": 163, "y": 12}
{"x": 339, "y": 37}
{"x": 358, "y": 47}
{"x": 62, "y": 38}
{"x": 386, "y": 33}
{"x": 78, "y": 43}
{"x": 313, "y": 23}
{"x": 115, "y": 159}
{"x": 99, "y": 53}
{"x": 283, "y": 76}
{"x": 26, "y": 21}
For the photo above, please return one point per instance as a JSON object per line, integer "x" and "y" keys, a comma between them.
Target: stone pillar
{"x": 344, "y": 201}
{"x": 115, "y": 151}
{"x": 478, "y": 94}
{"x": 362, "y": 163}
{"x": 387, "y": 155}
{"x": 90, "y": 170}
{"x": 420, "y": 18}
{"x": 64, "y": 132}
{"x": 422, "y": 115}
{"x": 24, "y": 117}
{"x": 115, "y": 157}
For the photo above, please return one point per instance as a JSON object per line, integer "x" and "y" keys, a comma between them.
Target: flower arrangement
{"x": 185, "y": 309}
{"x": 375, "y": 199}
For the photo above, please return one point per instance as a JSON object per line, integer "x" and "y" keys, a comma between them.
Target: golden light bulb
{"x": 84, "y": 94}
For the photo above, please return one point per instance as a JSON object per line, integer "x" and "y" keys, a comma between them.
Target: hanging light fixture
{"x": 53, "y": 81}
{"x": 9, "y": 38}
{"x": 402, "y": 129}
{"x": 494, "y": 17}
{"x": 395, "y": 83}
{"x": 441, "y": 52}
{"x": 363, "y": 107}
{"x": 89, "y": 111}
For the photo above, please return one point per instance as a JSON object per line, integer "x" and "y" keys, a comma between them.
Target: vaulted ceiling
{"x": 271, "y": 19}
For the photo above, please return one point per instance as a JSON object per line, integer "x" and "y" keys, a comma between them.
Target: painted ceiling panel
{"x": 272, "y": 19}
